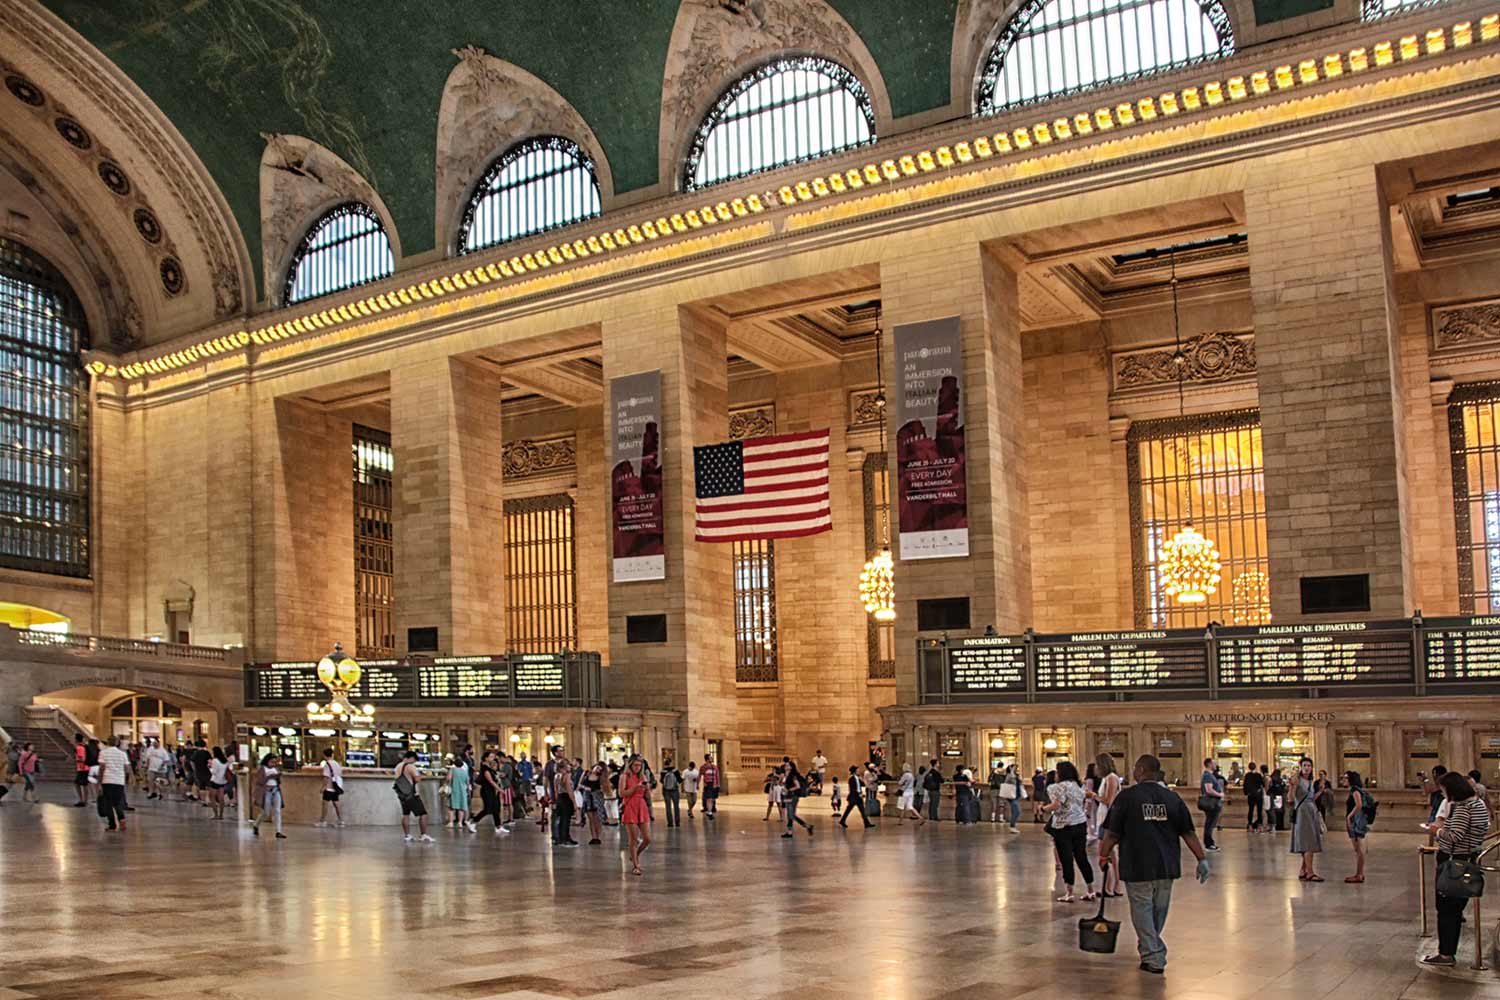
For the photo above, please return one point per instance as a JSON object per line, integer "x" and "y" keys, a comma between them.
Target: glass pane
{"x": 348, "y": 246}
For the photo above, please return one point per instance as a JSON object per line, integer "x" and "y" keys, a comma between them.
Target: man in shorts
{"x": 411, "y": 800}
{"x": 710, "y": 777}
{"x": 333, "y": 788}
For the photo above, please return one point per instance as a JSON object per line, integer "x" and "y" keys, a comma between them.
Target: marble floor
{"x": 180, "y": 906}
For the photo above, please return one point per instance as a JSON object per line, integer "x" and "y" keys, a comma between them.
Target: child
{"x": 837, "y": 797}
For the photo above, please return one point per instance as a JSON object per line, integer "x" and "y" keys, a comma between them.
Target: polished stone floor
{"x": 180, "y": 906}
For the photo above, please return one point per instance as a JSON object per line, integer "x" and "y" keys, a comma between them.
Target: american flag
{"x": 766, "y": 487}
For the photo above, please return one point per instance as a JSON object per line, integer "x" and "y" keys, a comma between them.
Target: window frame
{"x": 993, "y": 65}
{"x": 844, "y": 78}
{"x": 481, "y": 190}
{"x": 559, "y": 618}
{"x": 33, "y": 417}
{"x": 371, "y": 612}
{"x": 755, "y": 612}
{"x": 305, "y": 248}
{"x": 1463, "y": 396}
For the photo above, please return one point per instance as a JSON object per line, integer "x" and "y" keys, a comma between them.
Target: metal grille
{"x": 1054, "y": 47}
{"x": 537, "y": 185}
{"x": 1215, "y": 460}
{"x": 754, "y": 610}
{"x": 1372, "y": 10}
{"x": 374, "y": 544}
{"x": 1474, "y": 439}
{"x": 880, "y": 637}
{"x": 346, "y": 247}
{"x": 44, "y": 440}
{"x": 541, "y": 597}
{"x": 785, "y": 112}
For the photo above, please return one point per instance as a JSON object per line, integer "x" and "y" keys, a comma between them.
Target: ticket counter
{"x": 1356, "y": 752}
{"x": 1170, "y": 747}
{"x": 1116, "y": 743}
{"x": 1421, "y": 750}
{"x": 1289, "y": 746}
{"x": 1487, "y": 757}
{"x": 614, "y": 746}
{"x": 1056, "y": 745}
{"x": 953, "y": 747}
{"x": 1229, "y": 748}
{"x": 1004, "y": 747}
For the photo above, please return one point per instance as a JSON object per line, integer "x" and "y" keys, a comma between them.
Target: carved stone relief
{"x": 193, "y": 196}
{"x": 488, "y": 106}
{"x": 862, "y": 409}
{"x": 1465, "y": 324}
{"x": 714, "y": 42}
{"x": 1211, "y": 357}
{"x": 752, "y": 421}
{"x": 298, "y": 180}
{"x": 525, "y": 458}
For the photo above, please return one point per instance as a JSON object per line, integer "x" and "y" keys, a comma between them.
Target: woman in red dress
{"x": 634, "y": 813}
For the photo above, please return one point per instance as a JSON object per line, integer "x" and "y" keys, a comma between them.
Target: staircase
{"x": 51, "y": 746}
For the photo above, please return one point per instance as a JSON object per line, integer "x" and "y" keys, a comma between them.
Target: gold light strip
{"x": 1236, "y": 89}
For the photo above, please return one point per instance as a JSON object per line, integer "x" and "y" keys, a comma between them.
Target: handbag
{"x": 1007, "y": 791}
{"x": 1096, "y": 934}
{"x": 1460, "y": 879}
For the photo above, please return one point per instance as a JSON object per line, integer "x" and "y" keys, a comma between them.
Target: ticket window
{"x": 361, "y": 748}
{"x": 458, "y": 738}
{"x": 1487, "y": 758}
{"x": 287, "y": 744}
{"x": 1170, "y": 748}
{"x": 429, "y": 749}
{"x": 1116, "y": 743}
{"x": 316, "y": 739}
{"x": 1356, "y": 752}
{"x": 519, "y": 742}
{"x": 1228, "y": 748}
{"x": 393, "y": 744}
{"x": 1289, "y": 746}
{"x": 614, "y": 745}
{"x": 1421, "y": 751}
{"x": 898, "y": 749}
{"x": 1004, "y": 746}
{"x": 261, "y": 741}
{"x": 489, "y": 740}
{"x": 1057, "y": 746}
{"x": 554, "y": 738}
{"x": 952, "y": 749}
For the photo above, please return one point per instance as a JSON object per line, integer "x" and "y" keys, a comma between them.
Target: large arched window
{"x": 786, "y": 111}
{"x": 346, "y": 246}
{"x": 44, "y": 441}
{"x": 538, "y": 184}
{"x": 1053, "y": 47}
{"x": 1371, "y": 10}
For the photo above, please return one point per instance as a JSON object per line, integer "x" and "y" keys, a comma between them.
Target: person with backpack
{"x": 1360, "y": 813}
{"x": 671, "y": 793}
{"x": 794, "y": 787}
{"x": 408, "y": 787}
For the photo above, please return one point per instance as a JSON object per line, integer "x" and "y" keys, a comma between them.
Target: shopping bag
{"x": 1097, "y": 934}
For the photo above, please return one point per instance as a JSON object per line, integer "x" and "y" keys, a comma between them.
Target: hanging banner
{"x": 638, "y": 522}
{"x": 932, "y": 492}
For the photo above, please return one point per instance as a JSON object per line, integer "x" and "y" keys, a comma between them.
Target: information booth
{"x": 1421, "y": 750}
{"x": 1356, "y": 752}
{"x": 1170, "y": 747}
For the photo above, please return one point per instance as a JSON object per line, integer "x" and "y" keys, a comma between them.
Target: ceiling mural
{"x": 366, "y": 80}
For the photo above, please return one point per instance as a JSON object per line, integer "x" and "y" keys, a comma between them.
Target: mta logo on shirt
{"x": 1154, "y": 812}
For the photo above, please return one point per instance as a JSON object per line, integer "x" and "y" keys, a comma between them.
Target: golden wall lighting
{"x": 1287, "y": 743}
{"x": 908, "y": 166}
{"x": 1237, "y": 89}
{"x": 1307, "y": 69}
{"x": 1146, "y": 107}
{"x": 1001, "y": 142}
{"x": 926, "y": 162}
{"x": 1168, "y": 102}
{"x": 1042, "y": 133}
{"x": 963, "y": 151}
{"x": 1436, "y": 41}
{"x": 1226, "y": 743}
{"x": 1049, "y": 743}
{"x": 888, "y": 170}
{"x": 982, "y": 148}
{"x": 944, "y": 156}
{"x": 1083, "y": 123}
{"x": 1284, "y": 77}
{"x": 877, "y": 581}
{"x": 1384, "y": 54}
{"x": 1192, "y": 100}
{"x": 1409, "y": 49}
{"x": 1125, "y": 114}
{"x": 1489, "y": 27}
{"x": 1213, "y": 93}
{"x": 1103, "y": 119}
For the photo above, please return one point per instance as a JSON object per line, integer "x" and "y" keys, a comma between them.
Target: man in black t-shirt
{"x": 932, "y": 788}
{"x": 1255, "y": 799}
{"x": 200, "y": 758}
{"x": 1146, "y": 821}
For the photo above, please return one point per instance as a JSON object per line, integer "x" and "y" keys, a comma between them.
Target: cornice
{"x": 872, "y": 189}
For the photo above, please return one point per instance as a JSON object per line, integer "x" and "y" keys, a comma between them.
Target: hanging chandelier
{"x": 1189, "y": 562}
{"x": 877, "y": 581}
{"x": 339, "y": 673}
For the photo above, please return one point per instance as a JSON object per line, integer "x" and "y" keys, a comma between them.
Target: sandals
{"x": 1315, "y": 878}
{"x": 635, "y": 871}
{"x": 1354, "y": 879}
{"x": 1066, "y": 897}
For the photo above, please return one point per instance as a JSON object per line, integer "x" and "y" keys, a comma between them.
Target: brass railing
{"x": 1426, "y": 850}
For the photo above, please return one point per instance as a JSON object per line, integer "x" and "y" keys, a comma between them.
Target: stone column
{"x": 448, "y": 505}
{"x": 1326, "y": 336}
{"x": 304, "y": 532}
{"x": 930, "y": 281}
{"x": 591, "y": 530}
{"x": 693, "y": 671}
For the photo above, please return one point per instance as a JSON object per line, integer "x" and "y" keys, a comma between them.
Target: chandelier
{"x": 339, "y": 673}
{"x": 1252, "y": 596}
{"x": 1189, "y": 563}
{"x": 877, "y": 581}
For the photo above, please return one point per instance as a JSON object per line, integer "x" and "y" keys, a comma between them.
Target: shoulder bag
{"x": 1460, "y": 879}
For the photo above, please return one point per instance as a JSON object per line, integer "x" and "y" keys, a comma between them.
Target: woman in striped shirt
{"x": 1462, "y": 837}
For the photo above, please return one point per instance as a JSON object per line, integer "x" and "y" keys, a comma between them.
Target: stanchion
{"x": 1478, "y": 934}
{"x": 1422, "y": 853}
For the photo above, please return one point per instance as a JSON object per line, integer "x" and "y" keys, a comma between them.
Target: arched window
{"x": 347, "y": 246}
{"x": 538, "y": 184}
{"x": 1053, "y": 47}
{"x": 1374, "y": 9}
{"x": 44, "y": 440}
{"x": 786, "y": 111}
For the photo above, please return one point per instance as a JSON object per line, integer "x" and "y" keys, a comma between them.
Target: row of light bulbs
{"x": 1126, "y": 114}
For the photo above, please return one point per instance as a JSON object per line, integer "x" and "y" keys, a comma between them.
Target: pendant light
{"x": 1189, "y": 563}
{"x": 877, "y": 581}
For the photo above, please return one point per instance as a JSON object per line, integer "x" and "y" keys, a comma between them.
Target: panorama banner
{"x": 932, "y": 492}
{"x": 637, "y": 511}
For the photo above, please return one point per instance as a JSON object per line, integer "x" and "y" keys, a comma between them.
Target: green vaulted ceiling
{"x": 365, "y": 79}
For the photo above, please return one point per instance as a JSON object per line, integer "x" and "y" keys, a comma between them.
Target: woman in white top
{"x": 907, "y": 785}
{"x": 690, "y": 786}
{"x": 1109, "y": 790}
{"x": 269, "y": 781}
{"x": 218, "y": 779}
{"x": 1069, "y": 828}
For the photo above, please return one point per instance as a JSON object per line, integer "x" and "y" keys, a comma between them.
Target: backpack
{"x": 1368, "y": 805}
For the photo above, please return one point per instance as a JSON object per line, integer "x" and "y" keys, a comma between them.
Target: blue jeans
{"x": 1148, "y": 914}
{"x": 1015, "y": 812}
{"x": 1211, "y": 823}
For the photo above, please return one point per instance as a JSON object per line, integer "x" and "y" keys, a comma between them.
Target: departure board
{"x": 1122, "y": 661}
{"x": 394, "y": 682}
{"x": 459, "y": 679}
{"x": 1316, "y": 655}
{"x": 538, "y": 675}
{"x": 284, "y": 684}
{"x": 1462, "y": 650}
{"x": 987, "y": 664}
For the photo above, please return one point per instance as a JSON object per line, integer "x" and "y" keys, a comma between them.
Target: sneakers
{"x": 1066, "y": 897}
{"x": 408, "y": 838}
{"x": 501, "y": 831}
{"x": 1152, "y": 969}
{"x": 595, "y": 842}
{"x": 280, "y": 836}
{"x": 786, "y": 836}
{"x": 471, "y": 827}
{"x": 425, "y": 839}
{"x": 1444, "y": 960}
{"x": 255, "y": 831}
{"x": 320, "y": 824}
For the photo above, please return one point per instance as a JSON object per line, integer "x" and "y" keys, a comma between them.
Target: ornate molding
{"x": 1211, "y": 357}
{"x": 489, "y": 105}
{"x": 1465, "y": 324}
{"x": 862, "y": 409}
{"x": 155, "y": 142}
{"x": 527, "y": 458}
{"x": 752, "y": 421}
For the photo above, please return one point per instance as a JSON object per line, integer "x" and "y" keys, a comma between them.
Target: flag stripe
{"x": 767, "y": 487}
